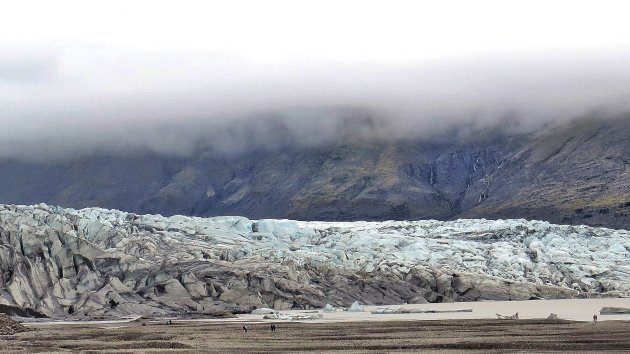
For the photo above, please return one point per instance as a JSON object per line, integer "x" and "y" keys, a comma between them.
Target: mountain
{"x": 95, "y": 262}
{"x": 571, "y": 173}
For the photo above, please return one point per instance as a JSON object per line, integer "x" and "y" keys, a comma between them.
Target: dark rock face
{"x": 21, "y": 312}
{"x": 572, "y": 174}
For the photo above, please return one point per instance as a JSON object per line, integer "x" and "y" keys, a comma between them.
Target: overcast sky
{"x": 91, "y": 74}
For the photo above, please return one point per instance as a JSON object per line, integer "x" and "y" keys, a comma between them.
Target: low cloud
{"x": 77, "y": 98}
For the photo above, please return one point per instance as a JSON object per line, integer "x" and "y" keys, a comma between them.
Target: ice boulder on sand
{"x": 263, "y": 311}
{"x": 356, "y": 307}
{"x": 329, "y": 308}
{"x": 384, "y": 310}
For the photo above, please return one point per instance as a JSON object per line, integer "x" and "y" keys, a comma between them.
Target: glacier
{"x": 94, "y": 262}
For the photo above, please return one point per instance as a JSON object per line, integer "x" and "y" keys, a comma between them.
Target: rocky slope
{"x": 572, "y": 174}
{"x": 96, "y": 262}
{"x": 9, "y": 326}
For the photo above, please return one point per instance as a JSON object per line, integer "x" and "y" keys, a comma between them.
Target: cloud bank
{"x": 166, "y": 78}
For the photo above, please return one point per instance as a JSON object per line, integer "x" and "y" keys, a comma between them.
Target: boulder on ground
{"x": 507, "y": 317}
{"x": 614, "y": 311}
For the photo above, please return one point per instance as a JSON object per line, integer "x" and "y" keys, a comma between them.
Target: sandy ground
{"x": 344, "y": 332}
{"x": 448, "y": 336}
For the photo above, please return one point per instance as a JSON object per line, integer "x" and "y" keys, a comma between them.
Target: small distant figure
{"x": 595, "y": 318}
{"x": 273, "y": 327}
{"x": 245, "y": 328}
{"x": 170, "y": 323}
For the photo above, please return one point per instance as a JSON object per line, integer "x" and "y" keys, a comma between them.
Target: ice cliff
{"x": 95, "y": 262}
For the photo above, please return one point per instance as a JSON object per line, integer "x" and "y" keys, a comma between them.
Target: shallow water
{"x": 569, "y": 309}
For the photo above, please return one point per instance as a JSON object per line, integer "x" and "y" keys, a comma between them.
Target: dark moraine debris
{"x": 614, "y": 311}
{"x": 9, "y": 326}
{"x": 16, "y": 311}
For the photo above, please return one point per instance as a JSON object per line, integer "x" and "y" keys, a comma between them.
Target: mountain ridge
{"x": 572, "y": 173}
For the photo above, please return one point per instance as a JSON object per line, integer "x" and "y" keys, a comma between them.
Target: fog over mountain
{"x": 412, "y": 100}
{"x": 352, "y": 111}
{"x": 71, "y": 85}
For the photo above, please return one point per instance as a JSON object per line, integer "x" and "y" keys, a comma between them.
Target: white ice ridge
{"x": 576, "y": 257}
{"x": 95, "y": 261}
